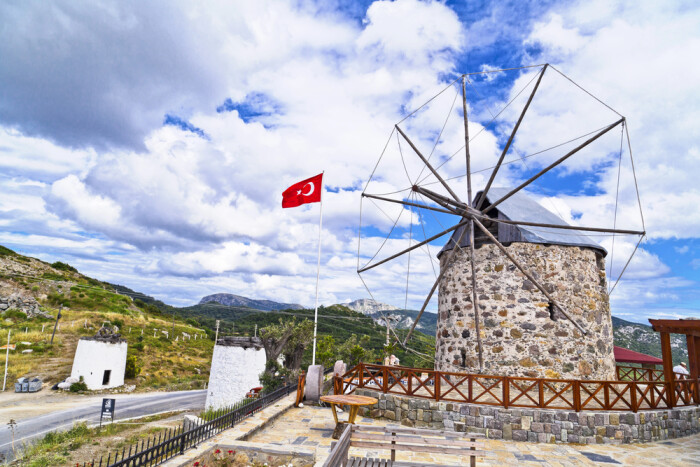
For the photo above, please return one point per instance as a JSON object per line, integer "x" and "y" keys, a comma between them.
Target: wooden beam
{"x": 693, "y": 364}
{"x": 668, "y": 367}
{"x": 475, "y": 302}
{"x": 417, "y": 245}
{"x": 466, "y": 141}
{"x": 408, "y": 203}
{"x": 427, "y": 164}
{"x": 510, "y": 140}
{"x": 448, "y": 260}
{"x": 528, "y": 275}
{"x": 551, "y": 166}
{"x": 565, "y": 227}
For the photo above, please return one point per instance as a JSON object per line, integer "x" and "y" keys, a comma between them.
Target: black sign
{"x": 107, "y": 409}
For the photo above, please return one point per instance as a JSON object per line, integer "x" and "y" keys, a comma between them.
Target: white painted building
{"x": 101, "y": 361}
{"x": 235, "y": 369}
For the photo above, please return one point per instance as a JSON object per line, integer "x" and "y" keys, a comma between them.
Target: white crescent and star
{"x": 301, "y": 192}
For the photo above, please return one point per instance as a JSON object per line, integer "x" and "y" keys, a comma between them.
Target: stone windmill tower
{"x": 521, "y": 332}
{"x": 520, "y": 292}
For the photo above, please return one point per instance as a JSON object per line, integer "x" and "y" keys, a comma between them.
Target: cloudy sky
{"x": 148, "y": 143}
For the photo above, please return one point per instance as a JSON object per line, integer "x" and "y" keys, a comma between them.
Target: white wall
{"x": 234, "y": 371}
{"x": 92, "y": 358}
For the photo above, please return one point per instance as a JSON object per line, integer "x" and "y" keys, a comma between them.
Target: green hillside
{"x": 642, "y": 338}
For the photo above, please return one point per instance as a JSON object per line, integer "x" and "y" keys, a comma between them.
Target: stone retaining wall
{"x": 537, "y": 425}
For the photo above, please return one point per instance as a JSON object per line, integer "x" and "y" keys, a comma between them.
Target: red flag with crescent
{"x": 306, "y": 191}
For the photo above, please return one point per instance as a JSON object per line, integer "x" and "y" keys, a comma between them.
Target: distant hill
{"x": 229, "y": 299}
{"x": 642, "y": 338}
{"x": 400, "y": 319}
{"x": 88, "y": 304}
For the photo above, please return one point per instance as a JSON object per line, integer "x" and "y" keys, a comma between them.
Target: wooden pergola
{"x": 691, "y": 329}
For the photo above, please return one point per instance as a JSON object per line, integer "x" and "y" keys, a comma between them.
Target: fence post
{"x": 437, "y": 386}
{"x": 385, "y": 380}
{"x": 633, "y": 396}
{"x": 506, "y": 391}
{"x": 540, "y": 388}
{"x": 360, "y": 375}
{"x": 577, "y": 395}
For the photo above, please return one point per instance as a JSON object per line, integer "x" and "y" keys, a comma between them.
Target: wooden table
{"x": 355, "y": 402}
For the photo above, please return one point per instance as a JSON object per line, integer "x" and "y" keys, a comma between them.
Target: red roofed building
{"x": 623, "y": 355}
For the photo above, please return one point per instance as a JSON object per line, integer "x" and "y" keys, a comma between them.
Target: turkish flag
{"x": 306, "y": 191}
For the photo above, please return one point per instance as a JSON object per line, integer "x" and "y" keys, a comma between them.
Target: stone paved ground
{"x": 313, "y": 426}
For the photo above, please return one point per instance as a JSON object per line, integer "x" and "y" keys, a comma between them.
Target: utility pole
{"x": 216, "y": 338}
{"x": 7, "y": 358}
{"x": 58, "y": 316}
{"x": 256, "y": 330}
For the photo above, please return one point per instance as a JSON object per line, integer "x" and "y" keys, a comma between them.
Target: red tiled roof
{"x": 630, "y": 356}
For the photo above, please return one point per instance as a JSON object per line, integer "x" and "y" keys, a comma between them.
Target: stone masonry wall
{"x": 520, "y": 336}
{"x": 537, "y": 425}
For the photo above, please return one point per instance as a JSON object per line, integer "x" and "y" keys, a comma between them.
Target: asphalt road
{"x": 125, "y": 407}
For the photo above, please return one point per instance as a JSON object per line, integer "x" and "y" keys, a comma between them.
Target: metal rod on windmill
{"x": 305, "y": 192}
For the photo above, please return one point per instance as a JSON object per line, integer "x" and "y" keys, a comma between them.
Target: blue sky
{"x": 152, "y": 151}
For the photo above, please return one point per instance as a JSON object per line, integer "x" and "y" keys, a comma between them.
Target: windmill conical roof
{"x": 521, "y": 207}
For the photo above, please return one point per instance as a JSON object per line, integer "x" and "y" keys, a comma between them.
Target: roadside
{"x": 87, "y": 409}
{"x": 84, "y": 444}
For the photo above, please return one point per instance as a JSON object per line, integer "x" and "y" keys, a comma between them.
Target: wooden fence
{"x": 512, "y": 391}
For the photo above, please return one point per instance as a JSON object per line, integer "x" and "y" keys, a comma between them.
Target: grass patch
{"x": 59, "y": 448}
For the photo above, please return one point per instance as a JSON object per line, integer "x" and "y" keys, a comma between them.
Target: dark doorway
{"x": 105, "y": 378}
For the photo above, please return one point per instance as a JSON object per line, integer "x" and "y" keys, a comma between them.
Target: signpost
{"x": 107, "y": 409}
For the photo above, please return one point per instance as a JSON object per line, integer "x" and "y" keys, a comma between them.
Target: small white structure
{"x": 100, "y": 360}
{"x": 235, "y": 367}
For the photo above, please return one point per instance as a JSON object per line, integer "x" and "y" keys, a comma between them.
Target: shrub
{"x": 79, "y": 386}
{"x": 133, "y": 366}
{"x": 63, "y": 267}
{"x": 6, "y": 251}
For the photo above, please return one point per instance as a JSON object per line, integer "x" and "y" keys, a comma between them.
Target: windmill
{"x": 480, "y": 217}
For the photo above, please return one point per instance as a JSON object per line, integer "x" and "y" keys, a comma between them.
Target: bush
{"x": 133, "y": 366}
{"x": 79, "y": 386}
{"x": 63, "y": 267}
{"x": 6, "y": 251}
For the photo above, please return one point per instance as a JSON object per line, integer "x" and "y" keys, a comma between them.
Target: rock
{"x": 191, "y": 422}
{"x": 339, "y": 368}
{"x": 64, "y": 385}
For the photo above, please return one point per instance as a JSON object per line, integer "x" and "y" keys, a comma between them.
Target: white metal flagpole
{"x": 318, "y": 270}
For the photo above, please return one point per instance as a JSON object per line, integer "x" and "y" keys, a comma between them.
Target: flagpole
{"x": 318, "y": 271}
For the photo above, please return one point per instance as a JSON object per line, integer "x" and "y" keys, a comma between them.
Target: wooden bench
{"x": 402, "y": 439}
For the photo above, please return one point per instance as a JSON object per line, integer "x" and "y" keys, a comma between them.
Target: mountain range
{"x": 229, "y": 299}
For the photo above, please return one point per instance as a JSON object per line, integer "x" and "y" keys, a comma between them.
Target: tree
{"x": 133, "y": 367}
{"x": 353, "y": 351}
{"x": 293, "y": 351}
{"x": 288, "y": 338}
{"x": 326, "y": 351}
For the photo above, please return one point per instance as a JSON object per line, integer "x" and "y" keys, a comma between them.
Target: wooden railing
{"x": 511, "y": 391}
{"x": 633, "y": 373}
